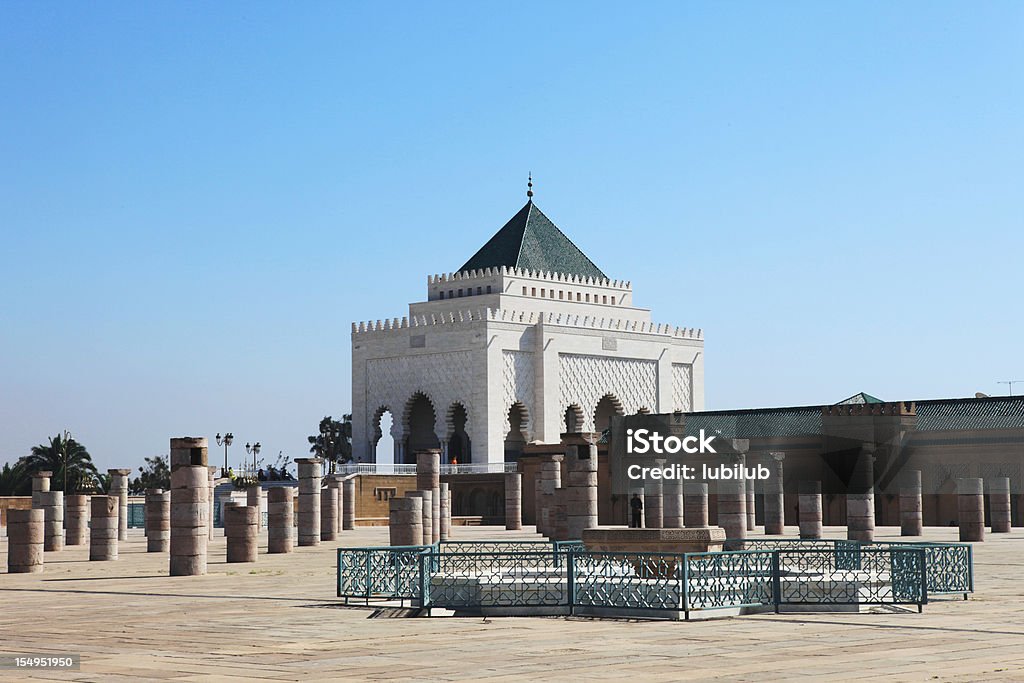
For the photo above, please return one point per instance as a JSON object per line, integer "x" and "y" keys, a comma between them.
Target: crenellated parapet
{"x": 470, "y": 316}
{"x": 896, "y": 408}
{"x": 558, "y": 278}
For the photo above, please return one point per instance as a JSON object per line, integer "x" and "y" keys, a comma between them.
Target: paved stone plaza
{"x": 278, "y": 620}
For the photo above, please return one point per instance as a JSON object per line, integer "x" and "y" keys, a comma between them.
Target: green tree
{"x": 334, "y": 442}
{"x": 154, "y": 475}
{"x": 69, "y": 461}
{"x": 14, "y": 480}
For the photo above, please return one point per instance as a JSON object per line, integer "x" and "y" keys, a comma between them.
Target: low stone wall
{"x": 13, "y": 503}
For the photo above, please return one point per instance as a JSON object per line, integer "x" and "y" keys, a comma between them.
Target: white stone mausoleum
{"x": 528, "y": 339}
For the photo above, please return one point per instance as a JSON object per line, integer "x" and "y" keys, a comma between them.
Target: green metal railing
{"x": 470, "y": 575}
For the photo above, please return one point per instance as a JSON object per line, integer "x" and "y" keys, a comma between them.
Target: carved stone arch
{"x": 573, "y": 418}
{"x": 643, "y": 410}
{"x": 608, "y": 405}
{"x": 376, "y": 432}
{"x": 411, "y": 402}
{"x": 520, "y": 410}
{"x": 450, "y": 417}
{"x": 420, "y": 424}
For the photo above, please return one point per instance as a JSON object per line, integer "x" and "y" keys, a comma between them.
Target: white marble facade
{"x": 542, "y": 348}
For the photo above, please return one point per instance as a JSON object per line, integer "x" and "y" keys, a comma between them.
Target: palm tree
{"x": 14, "y": 481}
{"x": 69, "y": 461}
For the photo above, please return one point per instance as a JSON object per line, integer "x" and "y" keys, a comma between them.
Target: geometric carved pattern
{"x": 682, "y": 378}
{"x": 584, "y": 380}
{"x": 991, "y": 470}
{"x": 941, "y": 475}
{"x": 444, "y": 378}
{"x": 517, "y": 381}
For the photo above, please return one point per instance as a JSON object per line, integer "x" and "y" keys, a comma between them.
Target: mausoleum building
{"x": 528, "y": 339}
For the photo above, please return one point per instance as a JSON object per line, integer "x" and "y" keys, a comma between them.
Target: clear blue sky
{"x": 197, "y": 199}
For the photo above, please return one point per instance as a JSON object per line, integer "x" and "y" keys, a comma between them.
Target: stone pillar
{"x": 860, "y": 497}
{"x": 559, "y": 516}
{"x": 999, "y": 504}
{"x": 427, "y": 515}
{"x": 336, "y": 482}
{"x": 190, "y": 506}
{"x": 309, "y": 500}
{"x": 213, "y": 470}
{"x": 240, "y": 521}
{"x": 40, "y": 484}
{"x": 280, "y": 520}
{"x": 732, "y": 511}
{"x": 654, "y": 491}
{"x": 328, "y": 513}
{"x": 971, "y": 506}
{"x": 695, "y": 505}
{"x": 580, "y": 497}
{"x": 76, "y": 515}
{"x": 549, "y": 478}
{"x": 513, "y": 501}
{"x": 158, "y": 520}
{"x": 446, "y": 512}
{"x": 103, "y": 529}
{"x": 428, "y": 478}
{"x": 52, "y": 505}
{"x": 774, "y": 498}
{"x": 809, "y": 503}
{"x": 911, "y": 510}
{"x": 672, "y": 504}
{"x": 25, "y": 541}
{"x": 119, "y": 488}
{"x": 254, "y": 498}
{"x": 405, "y": 521}
{"x": 348, "y": 515}
{"x": 748, "y": 489}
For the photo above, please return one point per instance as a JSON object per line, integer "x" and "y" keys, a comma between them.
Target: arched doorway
{"x": 518, "y": 418}
{"x": 606, "y": 408}
{"x": 459, "y": 446}
{"x": 383, "y": 444}
{"x": 420, "y": 420}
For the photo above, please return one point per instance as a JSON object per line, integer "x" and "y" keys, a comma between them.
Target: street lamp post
{"x": 225, "y": 441}
{"x": 254, "y": 449}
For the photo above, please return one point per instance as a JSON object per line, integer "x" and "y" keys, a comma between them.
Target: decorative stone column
{"x": 513, "y": 501}
{"x": 328, "y": 513}
{"x": 280, "y": 520}
{"x": 190, "y": 506}
{"x": 348, "y": 514}
{"x": 158, "y": 520}
{"x": 809, "y": 502}
{"x": 25, "y": 541}
{"x": 213, "y": 469}
{"x": 860, "y": 497}
{"x": 695, "y": 505}
{"x": 240, "y": 521}
{"x": 76, "y": 515}
{"x": 999, "y": 504}
{"x": 52, "y": 505}
{"x": 748, "y": 490}
{"x": 428, "y": 478}
{"x": 732, "y": 511}
{"x": 549, "y": 478}
{"x": 405, "y": 521}
{"x": 119, "y": 488}
{"x": 103, "y": 528}
{"x": 654, "y": 491}
{"x": 309, "y": 500}
{"x": 672, "y": 504}
{"x": 426, "y": 518}
{"x": 774, "y": 497}
{"x": 971, "y": 506}
{"x": 40, "y": 484}
{"x": 911, "y": 510}
{"x": 580, "y": 498}
{"x": 446, "y": 512}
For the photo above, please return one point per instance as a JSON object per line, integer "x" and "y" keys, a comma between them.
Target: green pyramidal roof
{"x": 532, "y": 242}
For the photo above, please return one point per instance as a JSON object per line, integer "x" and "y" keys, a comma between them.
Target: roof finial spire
{"x": 529, "y": 185}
